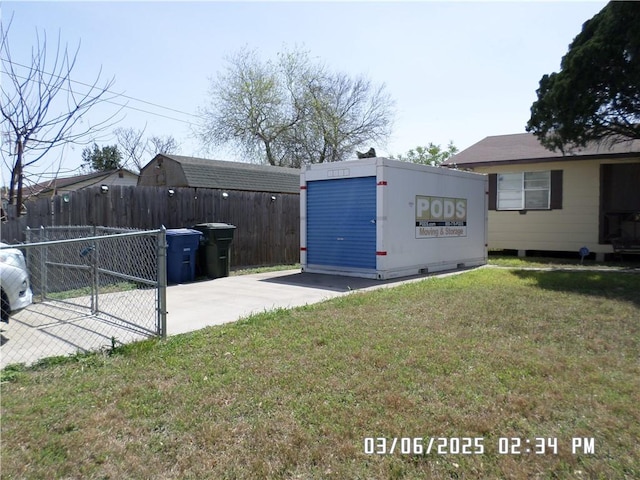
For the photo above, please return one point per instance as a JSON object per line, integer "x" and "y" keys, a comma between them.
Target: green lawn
{"x": 557, "y": 263}
{"x": 487, "y": 354}
{"x": 249, "y": 271}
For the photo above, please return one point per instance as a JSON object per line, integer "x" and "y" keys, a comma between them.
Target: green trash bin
{"x": 214, "y": 254}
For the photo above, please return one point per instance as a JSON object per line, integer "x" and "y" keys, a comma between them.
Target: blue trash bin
{"x": 182, "y": 244}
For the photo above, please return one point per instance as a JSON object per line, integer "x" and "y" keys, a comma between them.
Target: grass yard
{"x": 488, "y": 354}
{"x": 250, "y": 271}
{"x": 558, "y": 263}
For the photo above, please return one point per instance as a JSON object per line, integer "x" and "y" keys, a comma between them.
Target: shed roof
{"x": 525, "y": 148}
{"x": 205, "y": 173}
{"x": 66, "y": 182}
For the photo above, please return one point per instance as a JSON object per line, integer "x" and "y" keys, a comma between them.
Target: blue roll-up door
{"x": 341, "y": 222}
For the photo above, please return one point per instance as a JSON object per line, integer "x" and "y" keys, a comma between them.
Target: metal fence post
{"x": 162, "y": 281}
{"x": 27, "y": 239}
{"x": 94, "y": 274}
{"x": 43, "y": 264}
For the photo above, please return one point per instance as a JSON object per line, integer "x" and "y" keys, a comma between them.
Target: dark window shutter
{"x": 556, "y": 190}
{"x": 493, "y": 191}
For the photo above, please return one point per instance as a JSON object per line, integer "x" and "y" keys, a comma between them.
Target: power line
{"x": 115, "y": 94}
{"x": 150, "y": 113}
{"x": 127, "y": 106}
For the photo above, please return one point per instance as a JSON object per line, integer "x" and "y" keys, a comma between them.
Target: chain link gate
{"x": 93, "y": 288}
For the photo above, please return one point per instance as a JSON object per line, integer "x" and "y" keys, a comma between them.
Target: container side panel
{"x": 406, "y": 245}
{"x": 341, "y": 222}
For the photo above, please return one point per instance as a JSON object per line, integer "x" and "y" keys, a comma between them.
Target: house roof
{"x": 525, "y": 148}
{"x": 65, "y": 182}
{"x": 205, "y": 173}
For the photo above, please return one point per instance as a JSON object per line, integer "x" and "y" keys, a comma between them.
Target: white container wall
{"x": 381, "y": 218}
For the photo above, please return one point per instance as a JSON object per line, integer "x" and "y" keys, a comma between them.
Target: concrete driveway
{"x": 213, "y": 302}
{"x": 53, "y": 328}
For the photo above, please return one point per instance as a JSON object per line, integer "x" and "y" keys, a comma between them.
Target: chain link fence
{"x": 91, "y": 288}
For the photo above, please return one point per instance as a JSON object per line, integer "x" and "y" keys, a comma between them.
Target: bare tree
{"x": 134, "y": 146}
{"x": 162, "y": 144}
{"x": 42, "y": 108}
{"x": 131, "y": 145}
{"x": 293, "y": 111}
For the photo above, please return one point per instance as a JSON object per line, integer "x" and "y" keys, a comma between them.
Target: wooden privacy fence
{"x": 267, "y": 224}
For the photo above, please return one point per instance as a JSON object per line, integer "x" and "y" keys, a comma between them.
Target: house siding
{"x": 127, "y": 180}
{"x": 568, "y": 229}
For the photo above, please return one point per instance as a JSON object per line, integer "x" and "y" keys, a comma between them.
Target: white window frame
{"x": 513, "y": 194}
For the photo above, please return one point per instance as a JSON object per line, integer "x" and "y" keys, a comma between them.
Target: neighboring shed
{"x": 62, "y": 185}
{"x": 546, "y": 201}
{"x": 180, "y": 171}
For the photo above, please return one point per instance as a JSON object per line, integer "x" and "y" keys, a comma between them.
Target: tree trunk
{"x": 267, "y": 148}
{"x": 18, "y": 177}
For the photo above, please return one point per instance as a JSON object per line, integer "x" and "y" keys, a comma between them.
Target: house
{"x": 181, "y": 171}
{"x": 62, "y": 185}
{"x": 546, "y": 201}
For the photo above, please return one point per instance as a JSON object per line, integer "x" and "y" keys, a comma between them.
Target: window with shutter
{"x": 526, "y": 190}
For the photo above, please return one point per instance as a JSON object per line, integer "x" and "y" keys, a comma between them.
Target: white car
{"x": 15, "y": 291}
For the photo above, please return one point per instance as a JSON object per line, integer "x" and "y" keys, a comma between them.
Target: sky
{"x": 457, "y": 71}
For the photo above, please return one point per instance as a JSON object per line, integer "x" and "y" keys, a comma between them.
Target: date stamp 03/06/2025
{"x": 477, "y": 446}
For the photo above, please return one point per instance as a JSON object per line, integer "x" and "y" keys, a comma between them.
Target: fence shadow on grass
{"x": 609, "y": 284}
